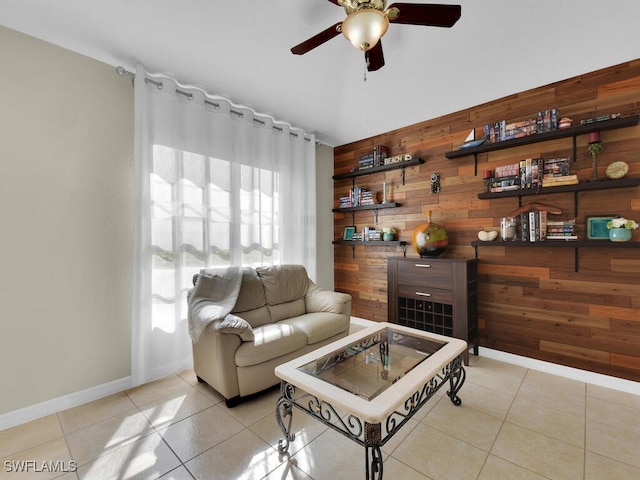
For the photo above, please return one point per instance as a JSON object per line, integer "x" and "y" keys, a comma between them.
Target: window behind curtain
{"x": 216, "y": 184}
{"x": 193, "y": 223}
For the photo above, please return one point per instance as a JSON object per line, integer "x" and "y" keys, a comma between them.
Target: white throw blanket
{"x": 213, "y": 297}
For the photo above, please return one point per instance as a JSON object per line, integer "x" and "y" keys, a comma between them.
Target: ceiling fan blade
{"x": 429, "y": 14}
{"x": 374, "y": 57}
{"x": 335, "y": 2}
{"x": 318, "y": 39}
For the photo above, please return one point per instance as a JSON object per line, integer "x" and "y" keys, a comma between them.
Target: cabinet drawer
{"x": 425, "y": 293}
{"x": 423, "y": 272}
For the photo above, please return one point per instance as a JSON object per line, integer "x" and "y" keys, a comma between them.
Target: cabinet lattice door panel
{"x": 437, "y": 295}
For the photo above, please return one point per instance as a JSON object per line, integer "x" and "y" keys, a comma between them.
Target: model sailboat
{"x": 471, "y": 141}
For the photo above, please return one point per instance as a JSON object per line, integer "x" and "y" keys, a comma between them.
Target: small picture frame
{"x": 348, "y": 233}
{"x": 597, "y": 227}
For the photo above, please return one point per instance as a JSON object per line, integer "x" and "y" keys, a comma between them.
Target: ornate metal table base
{"x": 370, "y": 436}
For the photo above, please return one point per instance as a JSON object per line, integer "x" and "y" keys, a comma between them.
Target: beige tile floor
{"x": 514, "y": 423}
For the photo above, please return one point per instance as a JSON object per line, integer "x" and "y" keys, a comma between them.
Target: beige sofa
{"x": 279, "y": 314}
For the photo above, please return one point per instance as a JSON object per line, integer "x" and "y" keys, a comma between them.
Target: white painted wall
{"x": 324, "y": 204}
{"x": 66, "y": 207}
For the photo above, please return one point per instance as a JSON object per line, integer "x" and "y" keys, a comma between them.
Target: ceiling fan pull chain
{"x": 365, "y": 72}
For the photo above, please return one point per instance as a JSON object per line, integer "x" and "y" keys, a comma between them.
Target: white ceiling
{"x": 240, "y": 49}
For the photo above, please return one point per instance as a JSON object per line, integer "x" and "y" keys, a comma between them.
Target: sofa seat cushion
{"x": 319, "y": 326}
{"x": 270, "y": 341}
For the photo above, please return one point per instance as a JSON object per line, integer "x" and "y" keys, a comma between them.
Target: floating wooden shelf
{"x": 375, "y": 207}
{"x": 603, "y": 184}
{"x": 382, "y": 168}
{"x": 576, "y": 245}
{"x": 572, "y": 132}
{"x": 373, "y": 243}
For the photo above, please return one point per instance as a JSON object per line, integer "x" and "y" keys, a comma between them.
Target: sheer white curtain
{"x": 216, "y": 184}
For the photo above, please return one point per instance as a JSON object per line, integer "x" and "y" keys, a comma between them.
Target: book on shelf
{"x": 560, "y": 181}
{"x": 556, "y": 167}
{"x": 505, "y": 184}
{"x": 542, "y": 225}
{"x": 507, "y": 170}
{"x": 366, "y": 161}
{"x": 370, "y": 234}
{"x": 562, "y": 178}
{"x": 520, "y": 129}
{"x": 561, "y": 230}
{"x": 547, "y": 120}
{"x": 524, "y": 224}
{"x": 536, "y": 227}
{"x": 380, "y": 155}
{"x": 600, "y": 118}
{"x": 562, "y": 238}
{"x": 359, "y": 196}
{"x": 532, "y": 173}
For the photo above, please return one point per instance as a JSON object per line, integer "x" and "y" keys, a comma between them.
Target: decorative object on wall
{"x": 388, "y": 234}
{"x": 619, "y": 234}
{"x": 429, "y": 239}
{"x": 487, "y": 175}
{"x": 617, "y": 170}
{"x": 620, "y": 229}
{"x": 595, "y": 148}
{"x": 471, "y": 141}
{"x": 348, "y": 233}
{"x": 367, "y": 21}
{"x": 565, "y": 122}
{"x": 435, "y": 183}
{"x": 384, "y": 192}
{"x": 597, "y": 228}
{"x": 508, "y": 228}
{"x": 487, "y": 235}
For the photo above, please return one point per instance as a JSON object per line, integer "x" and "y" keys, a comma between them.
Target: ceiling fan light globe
{"x": 365, "y": 27}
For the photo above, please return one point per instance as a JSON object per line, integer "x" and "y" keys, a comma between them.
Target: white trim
{"x": 39, "y": 410}
{"x": 593, "y": 378}
{"x": 599, "y": 379}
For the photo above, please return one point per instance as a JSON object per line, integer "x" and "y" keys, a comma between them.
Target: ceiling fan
{"x": 367, "y": 21}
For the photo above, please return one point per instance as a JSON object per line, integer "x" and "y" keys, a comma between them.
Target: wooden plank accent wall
{"x": 532, "y": 302}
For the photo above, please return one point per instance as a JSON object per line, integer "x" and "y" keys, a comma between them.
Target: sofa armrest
{"x": 319, "y": 300}
{"x": 233, "y": 324}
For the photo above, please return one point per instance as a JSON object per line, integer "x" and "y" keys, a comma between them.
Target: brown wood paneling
{"x": 532, "y": 302}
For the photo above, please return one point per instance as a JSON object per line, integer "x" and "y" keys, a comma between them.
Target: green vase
{"x": 619, "y": 234}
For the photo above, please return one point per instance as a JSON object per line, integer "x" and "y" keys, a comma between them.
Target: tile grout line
{"x": 489, "y": 453}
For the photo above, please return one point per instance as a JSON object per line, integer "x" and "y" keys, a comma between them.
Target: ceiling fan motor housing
{"x": 351, "y": 6}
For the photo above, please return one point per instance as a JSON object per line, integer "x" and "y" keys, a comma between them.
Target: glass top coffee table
{"x": 369, "y": 384}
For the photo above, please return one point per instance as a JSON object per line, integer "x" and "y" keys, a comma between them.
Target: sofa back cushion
{"x": 285, "y": 287}
{"x": 251, "y": 304}
{"x": 287, "y": 310}
{"x": 283, "y": 283}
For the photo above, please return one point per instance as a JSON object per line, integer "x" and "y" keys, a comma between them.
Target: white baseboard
{"x": 39, "y": 410}
{"x": 599, "y": 379}
{"x": 75, "y": 399}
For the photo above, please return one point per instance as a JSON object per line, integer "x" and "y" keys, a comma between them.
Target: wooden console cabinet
{"x": 438, "y": 295}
